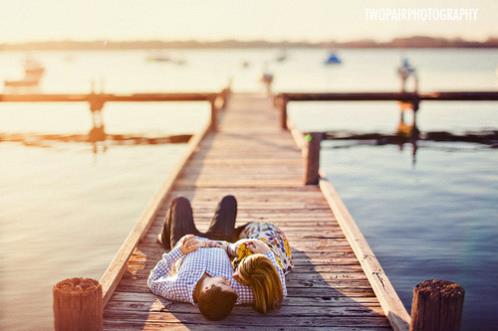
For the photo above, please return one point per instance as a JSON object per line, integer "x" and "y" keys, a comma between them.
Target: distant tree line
{"x": 405, "y": 42}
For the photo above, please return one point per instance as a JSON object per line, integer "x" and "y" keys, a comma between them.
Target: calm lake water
{"x": 65, "y": 210}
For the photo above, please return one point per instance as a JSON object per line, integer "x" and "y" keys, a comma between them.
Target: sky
{"x": 310, "y": 20}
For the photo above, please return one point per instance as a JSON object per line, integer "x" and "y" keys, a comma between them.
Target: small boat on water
{"x": 333, "y": 58}
{"x": 282, "y": 57}
{"x": 33, "y": 73}
{"x": 20, "y": 83}
{"x": 158, "y": 57}
{"x": 165, "y": 58}
{"x": 33, "y": 68}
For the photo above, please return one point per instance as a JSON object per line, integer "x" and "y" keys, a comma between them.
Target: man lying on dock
{"x": 198, "y": 269}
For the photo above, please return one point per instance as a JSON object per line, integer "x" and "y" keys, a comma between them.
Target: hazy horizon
{"x": 311, "y": 21}
{"x": 248, "y": 40}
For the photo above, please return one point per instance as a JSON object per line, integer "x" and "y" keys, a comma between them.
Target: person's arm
{"x": 229, "y": 248}
{"x": 161, "y": 282}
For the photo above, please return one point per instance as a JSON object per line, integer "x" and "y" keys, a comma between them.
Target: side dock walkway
{"x": 251, "y": 157}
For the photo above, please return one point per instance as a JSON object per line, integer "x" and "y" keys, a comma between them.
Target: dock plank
{"x": 252, "y": 158}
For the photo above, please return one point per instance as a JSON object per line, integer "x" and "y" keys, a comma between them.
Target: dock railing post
{"x": 214, "y": 120}
{"x": 226, "y": 95}
{"x": 437, "y": 306}
{"x": 96, "y": 105}
{"x": 312, "y": 157}
{"x": 276, "y": 100}
{"x": 283, "y": 112}
{"x": 78, "y": 305}
{"x": 222, "y": 98}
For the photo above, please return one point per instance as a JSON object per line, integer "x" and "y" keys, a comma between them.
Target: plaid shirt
{"x": 180, "y": 286}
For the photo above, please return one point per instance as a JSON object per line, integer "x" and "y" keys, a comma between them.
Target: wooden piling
{"x": 78, "y": 305}
{"x": 283, "y": 112}
{"x": 437, "y": 306}
{"x": 312, "y": 157}
{"x": 213, "y": 121}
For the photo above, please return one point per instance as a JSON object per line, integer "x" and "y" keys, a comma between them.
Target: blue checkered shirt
{"x": 180, "y": 285}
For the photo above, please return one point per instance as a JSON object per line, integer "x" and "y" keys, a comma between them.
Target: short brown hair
{"x": 215, "y": 304}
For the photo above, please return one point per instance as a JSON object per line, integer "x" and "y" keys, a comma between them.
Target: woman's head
{"x": 258, "y": 272}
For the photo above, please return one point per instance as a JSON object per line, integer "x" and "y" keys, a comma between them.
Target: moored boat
{"x": 333, "y": 58}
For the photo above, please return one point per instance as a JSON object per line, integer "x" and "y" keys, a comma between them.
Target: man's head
{"x": 216, "y": 298}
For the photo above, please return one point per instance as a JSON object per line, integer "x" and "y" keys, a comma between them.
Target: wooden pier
{"x": 337, "y": 282}
{"x": 251, "y": 150}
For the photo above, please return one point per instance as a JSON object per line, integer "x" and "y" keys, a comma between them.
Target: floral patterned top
{"x": 272, "y": 236}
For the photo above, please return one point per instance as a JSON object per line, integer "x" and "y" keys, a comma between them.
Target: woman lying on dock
{"x": 204, "y": 274}
{"x": 254, "y": 269}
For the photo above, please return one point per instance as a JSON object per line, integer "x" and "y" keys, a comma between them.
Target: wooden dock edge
{"x": 297, "y": 135}
{"x": 114, "y": 272}
{"x": 389, "y": 300}
{"x": 391, "y": 304}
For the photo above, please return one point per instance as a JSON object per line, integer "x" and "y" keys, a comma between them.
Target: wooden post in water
{"x": 283, "y": 112}
{"x": 78, "y": 305}
{"x": 214, "y": 120}
{"x": 312, "y": 157}
{"x": 96, "y": 106}
{"x": 437, "y": 306}
{"x": 415, "y": 107}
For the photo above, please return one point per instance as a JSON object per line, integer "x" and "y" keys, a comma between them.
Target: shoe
{"x": 159, "y": 239}
{"x": 222, "y": 224}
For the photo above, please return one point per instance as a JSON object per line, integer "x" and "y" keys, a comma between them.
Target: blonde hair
{"x": 258, "y": 272}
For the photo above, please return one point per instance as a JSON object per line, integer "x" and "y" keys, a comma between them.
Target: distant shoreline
{"x": 407, "y": 42}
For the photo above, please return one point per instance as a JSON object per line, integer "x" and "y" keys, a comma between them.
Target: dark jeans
{"x": 180, "y": 221}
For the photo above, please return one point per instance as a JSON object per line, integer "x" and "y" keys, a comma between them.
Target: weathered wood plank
{"x": 141, "y": 283}
{"x": 256, "y": 320}
{"x": 342, "y": 300}
{"x": 355, "y": 309}
{"x": 153, "y": 326}
{"x": 293, "y": 292}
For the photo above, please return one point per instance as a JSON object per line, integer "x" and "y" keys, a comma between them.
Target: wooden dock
{"x": 251, "y": 157}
